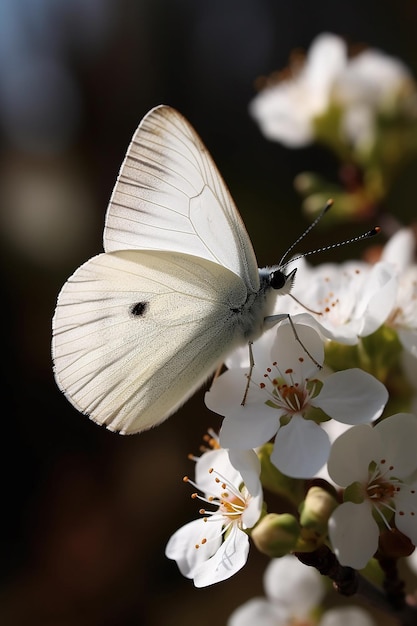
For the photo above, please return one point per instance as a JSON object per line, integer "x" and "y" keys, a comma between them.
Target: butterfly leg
{"x": 297, "y": 338}
{"x": 249, "y": 374}
{"x": 274, "y": 319}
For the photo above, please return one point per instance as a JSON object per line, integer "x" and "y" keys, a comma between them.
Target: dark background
{"x": 85, "y": 513}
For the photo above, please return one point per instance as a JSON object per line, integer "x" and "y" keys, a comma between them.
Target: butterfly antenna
{"x": 327, "y": 206}
{"x": 370, "y": 233}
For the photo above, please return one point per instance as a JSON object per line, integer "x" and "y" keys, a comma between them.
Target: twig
{"x": 348, "y": 582}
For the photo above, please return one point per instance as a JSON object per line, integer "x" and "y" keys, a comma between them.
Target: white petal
{"x": 372, "y": 77}
{"x": 226, "y": 391}
{"x": 253, "y": 510}
{"x": 326, "y": 60}
{"x": 290, "y": 352}
{"x": 406, "y": 511}
{"x": 346, "y": 333}
{"x": 399, "y": 250}
{"x": 378, "y": 300}
{"x": 301, "y": 448}
{"x": 181, "y": 546}
{"x": 399, "y": 436}
{"x": 258, "y": 612}
{"x": 228, "y": 559}
{"x": 334, "y": 290}
{"x": 260, "y": 350}
{"x": 293, "y": 585}
{"x": 220, "y": 462}
{"x": 249, "y": 467}
{"x": 354, "y": 534}
{"x": 286, "y": 110}
{"x": 358, "y": 124}
{"x": 249, "y": 427}
{"x": 352, "y": 396}
{"x": 351, "y": 454}
{"x": 412, "y": 562}
{"x": 334, "y": 430}
{"x": 238, "y": 359}
{"x": 408, "y": 338}
{"x": 347, "y": 616}
{"x": 283, "y": 114}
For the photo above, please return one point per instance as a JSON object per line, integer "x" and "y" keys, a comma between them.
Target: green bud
{"x": 308, "y": 183}
{"x": 309, "y": 540}
{"x": 316, "y": 509}
{"x": 276, "y": 534}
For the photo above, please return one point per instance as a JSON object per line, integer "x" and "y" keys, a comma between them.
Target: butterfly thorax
{"x": 260, "y": 305}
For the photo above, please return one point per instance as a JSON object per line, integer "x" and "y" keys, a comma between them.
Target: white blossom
{"x": 360, "y": 88}
{"x": 285, "y": 384}
{"x": 285, "y": 111}
{"x": 293, "y": 594}
{"x": 347, "y": 300}
{"x": 399, "y": 252}
{"x": 215, "y": 546}
{"x": 376, "y": 466}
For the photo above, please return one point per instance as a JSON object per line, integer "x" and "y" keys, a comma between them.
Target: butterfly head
{"x": 280, "y": 281}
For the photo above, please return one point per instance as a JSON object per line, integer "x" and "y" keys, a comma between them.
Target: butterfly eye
{"x": 277, "y": 279}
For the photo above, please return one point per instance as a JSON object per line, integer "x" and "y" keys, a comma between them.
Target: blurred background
{"x": 87, "y": 513}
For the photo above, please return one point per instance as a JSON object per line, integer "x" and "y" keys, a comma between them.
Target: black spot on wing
{"x": 139, "y": 309}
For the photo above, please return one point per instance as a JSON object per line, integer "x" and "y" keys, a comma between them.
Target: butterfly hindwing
{"x": 137, "y": 332}
{"x": 170, "y": 196}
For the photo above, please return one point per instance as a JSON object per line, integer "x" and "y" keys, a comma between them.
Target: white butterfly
{"x": 139, "y": 328}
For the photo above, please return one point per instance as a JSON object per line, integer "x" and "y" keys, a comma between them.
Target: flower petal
{"x": 260, "y": 612}
{"x": 351, "y": 454}
{"x": 278, "y": 118}
{"x": 378, "y": 300}
{"x": 352, "y": 396}
{"x": 181, "y": 547}
{"x": 226, "y": 391}
{"x": 334, "y": 430}
{"x": 399, "y": 436}
{"x": 293, "y": 585}
{"x": 219, "y": 460}
{"x": 406, "y": 511}
{"x": 249, "y": 467}
{"x": 354, "y": 534}
{"x": 228, "y": 559}
{"x": 286, "y": 110}
{"x": 249, "y": 426}
{"x": 408, "y": 338}
{"x": 301, "y": 448}
{"x": 290, "y": 346}
{"x": 253, "y": 510}
{"x": 399, "y": 249}
{"x": 326, "y": 60}
{"x": 347, "y": 616}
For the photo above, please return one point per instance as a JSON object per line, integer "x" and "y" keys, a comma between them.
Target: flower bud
{"x": 316, "y": 509}
{"x": 276, "y": 534}
{"x": 307, "y": 183}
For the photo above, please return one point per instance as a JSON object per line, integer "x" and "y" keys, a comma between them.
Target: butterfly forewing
{"x": 170, "y": 196}
{"x": 137, "y": 332}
